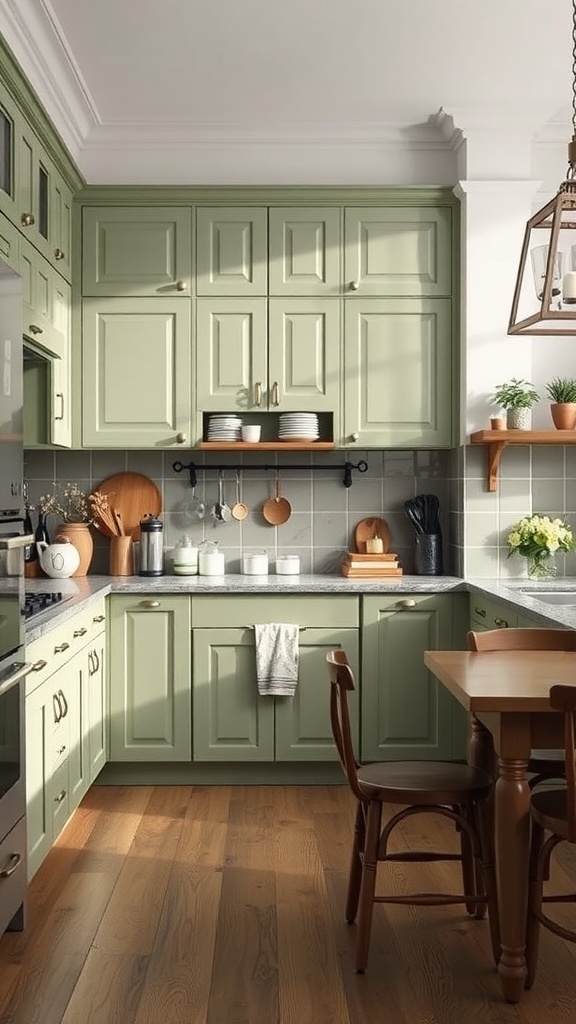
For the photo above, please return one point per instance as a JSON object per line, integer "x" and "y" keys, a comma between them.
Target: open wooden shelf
{"x": 498, "y": 440}
{"x": 267, "y": 446}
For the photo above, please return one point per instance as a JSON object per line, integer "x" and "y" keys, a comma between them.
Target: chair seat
{"x": 550, "y": 809}
{"x": 547, "y": 762}
{"x": 423, "y": 782}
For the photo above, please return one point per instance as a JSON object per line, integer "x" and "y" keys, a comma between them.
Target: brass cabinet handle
{"x": 354, "y": 286}
{"x": 407, "y": 602}
{"x": 258, "y": 393}
{"x": 150, "y": 604}
{"x": 27, "y": 220}
{"x": 181, "y": 438}
{"x": 59, "y": 254}
{"x": 62, "y": 698}
{"x": 61, "y": 647}
{"x": 91, "y": 668}
{"x": 34, "y": 329}
{"x": 61, "y": 749}
{"x": 181, "y": 286}
{"x": 57, "y": 708}
{"x": 15, "y": 861}
{"x": 501, "y": 623}
{"x": 96, "y": 661}
{"x": 80, "y": 632}
{"x": 61, "y": 795}
{"x": 60, "y": 395}
{"x": 39, "y": 665}
{"x": 98, "y": 618}
{"x": 480, "y": 612}
{"x": 275, "y": 393}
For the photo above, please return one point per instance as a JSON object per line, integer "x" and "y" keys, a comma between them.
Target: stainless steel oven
{"x": 13, "y": 666}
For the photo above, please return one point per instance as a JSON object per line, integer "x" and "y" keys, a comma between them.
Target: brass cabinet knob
{"x": 61, "y": 796}
{"x": 150, "y": 604}
{"x": 354, "y": 437}
{"x": 98, "y": 618}
{"x": 354, "y": 286}
{"x": 181, "y": 286}
{"x": 27, "y": 220}
{"x": 80, "y": 632}
{"x": 39, "y": 665}
{"x": 34, "y": 329}
{"x": 61, "y": 647}
{"x": 407, "y": 602}
{"x": 59, "y": 254}
{"x": 181, "y": 438}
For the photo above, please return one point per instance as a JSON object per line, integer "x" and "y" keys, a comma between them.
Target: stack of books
{"x": 360, "y": 565}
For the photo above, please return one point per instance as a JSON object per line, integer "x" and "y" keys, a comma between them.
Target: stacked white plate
{"x": 298, "y": 426}
{"x": 224, "y": 428}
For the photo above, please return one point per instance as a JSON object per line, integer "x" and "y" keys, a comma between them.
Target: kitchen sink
{"x": 552, "y": 596}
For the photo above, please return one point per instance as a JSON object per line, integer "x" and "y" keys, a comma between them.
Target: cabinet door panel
{"x": 303, "y": 729}
{"x": 398, "y": 372}
{"x": 406, "y": 713}
{"x": 39, "y": 726}
{"x": 304, "y": 353}
{"x": 137, "y": 251}
{"x": 304, "y": 251}
{"x": 232, "y": 358}
{"x": 96, "y": 705}
{"x": 136, "y": 379}
{"x": 398, "y": 251}
{"x": 231, "y": 721}
{"x": 150, "y": 706}
{"x": 231, "y": 251}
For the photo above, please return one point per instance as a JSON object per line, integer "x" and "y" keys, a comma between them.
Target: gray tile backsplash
{"x": 324, "y": 512}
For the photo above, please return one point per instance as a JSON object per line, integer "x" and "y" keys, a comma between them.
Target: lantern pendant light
{"x": 545, "y": 293}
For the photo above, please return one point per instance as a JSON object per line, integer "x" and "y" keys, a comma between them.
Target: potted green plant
{"x": 562, "y": 391}
{"x": 517, "y": 397}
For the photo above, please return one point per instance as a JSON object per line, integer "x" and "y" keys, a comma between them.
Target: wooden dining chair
{"x": 553, "y": 813}
{"x": 543, "y": 765}
{"x": 455, "y": 791}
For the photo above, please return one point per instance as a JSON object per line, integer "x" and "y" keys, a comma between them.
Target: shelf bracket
{"x": 347, "y": 468}
{"x": 495, "y": 450}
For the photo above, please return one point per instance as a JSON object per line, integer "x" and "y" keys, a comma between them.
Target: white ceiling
{"x": 140, "y": 88}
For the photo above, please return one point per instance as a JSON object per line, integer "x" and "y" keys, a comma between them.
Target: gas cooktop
{"x": 41, "y": 601}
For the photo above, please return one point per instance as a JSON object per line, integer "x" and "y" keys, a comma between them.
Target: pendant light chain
{"x": 574, "y": 67}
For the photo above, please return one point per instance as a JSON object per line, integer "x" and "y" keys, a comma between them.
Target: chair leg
{"x": 355, "y": 876}
{"x": 368, "y": 886}
{"x": 469, "y": 877}
{"x": 535, "y": 890}
{"x": 484, "y": 819}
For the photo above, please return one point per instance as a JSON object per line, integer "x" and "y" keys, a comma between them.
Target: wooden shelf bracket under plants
{"x": 497, "y": 440}
{"x": 347, "y": 468}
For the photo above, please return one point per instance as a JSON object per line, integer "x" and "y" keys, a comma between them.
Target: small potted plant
{"x": 562, "y": 391}
{"x": 517, "y": 397}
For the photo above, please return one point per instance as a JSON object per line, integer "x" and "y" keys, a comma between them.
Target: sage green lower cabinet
{"x": 96, "y": 701}
{"x": 487, "y": 614}
{"x": 232, "y": 722}
{"x": 150, "y": 699}
{"x": 406, "y": 712}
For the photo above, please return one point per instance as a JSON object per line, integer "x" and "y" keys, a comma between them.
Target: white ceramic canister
{"x": 210, "y": 560}
{"x": 255, "y": 563}
{"x": 185, "y": 558}
{"x": 288, "y": 565}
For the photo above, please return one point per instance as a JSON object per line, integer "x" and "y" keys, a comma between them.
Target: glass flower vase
{"x": 541, "y": 566}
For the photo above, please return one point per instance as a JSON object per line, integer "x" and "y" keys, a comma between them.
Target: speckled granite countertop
{"x": 84, "y": 590}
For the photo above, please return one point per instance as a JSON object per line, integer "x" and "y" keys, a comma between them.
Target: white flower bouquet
{"x": 537, "y": 537}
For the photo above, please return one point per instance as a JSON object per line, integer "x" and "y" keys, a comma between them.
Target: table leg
{"x": 512, "y": 852}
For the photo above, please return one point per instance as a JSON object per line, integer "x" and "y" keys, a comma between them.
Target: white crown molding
{"x": 34, "y": 35}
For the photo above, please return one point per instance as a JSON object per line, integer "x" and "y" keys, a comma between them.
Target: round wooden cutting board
{"x": 134, "y": 496}
{"x": 369, "y": 528}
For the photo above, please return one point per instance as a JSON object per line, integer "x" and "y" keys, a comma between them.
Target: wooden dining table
{"x": 507, "y": 695}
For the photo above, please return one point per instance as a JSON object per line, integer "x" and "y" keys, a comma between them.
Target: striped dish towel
{"x": 276, "y": 658}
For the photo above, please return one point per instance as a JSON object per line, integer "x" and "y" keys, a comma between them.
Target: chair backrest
{"x": 563, "y": 698}
{"x": 342, "y": 680}
{"x": 522, "y": 640}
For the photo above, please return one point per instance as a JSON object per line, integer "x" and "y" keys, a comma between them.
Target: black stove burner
{"x": 41, "y": 601}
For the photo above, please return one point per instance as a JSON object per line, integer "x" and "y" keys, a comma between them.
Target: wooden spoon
{"x": 277, "y": 510}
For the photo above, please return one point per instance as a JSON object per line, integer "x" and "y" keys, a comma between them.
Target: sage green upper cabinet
{"x": 150, "y": 689}
{"x": 258, "y": 355}
{"x": 406, "y": 713}
{"x": 398, "y": 251}
{"x": 9, "y": 251}
{"x": 137, "y": 251}
{"x": 398, "y": 378}
{"x": 232, "y": 251}
{"x": 304, "y": 251}
{"x": 136, "y": 382}
{"x": 10, "y": 120}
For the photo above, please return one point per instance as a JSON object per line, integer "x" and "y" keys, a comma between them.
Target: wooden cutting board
{"x": 135, "y": 496}
{"x": 366, "y": 529}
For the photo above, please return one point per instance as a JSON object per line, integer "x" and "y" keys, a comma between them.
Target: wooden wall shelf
{"x": 498, "y": 440}
{"x": 267, "y": 446}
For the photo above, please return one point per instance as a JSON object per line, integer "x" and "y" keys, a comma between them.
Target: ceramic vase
{"x": 79, "y": 535}
{"x": 519, "y": 419}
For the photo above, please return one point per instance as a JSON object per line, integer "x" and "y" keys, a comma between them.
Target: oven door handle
{"x": 20, "y": 669}
{"x": 18, "y": 541}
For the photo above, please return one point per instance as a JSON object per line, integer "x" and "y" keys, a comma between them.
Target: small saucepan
{"x": 277, "y": 510}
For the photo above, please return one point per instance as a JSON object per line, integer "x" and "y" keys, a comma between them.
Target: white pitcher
{"x": 58, "y": 561}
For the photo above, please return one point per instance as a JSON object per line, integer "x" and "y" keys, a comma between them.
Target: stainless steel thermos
{"x": 151, "y": 547}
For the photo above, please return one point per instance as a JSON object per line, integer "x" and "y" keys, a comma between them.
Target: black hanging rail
{"x": 347, "y": 468}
